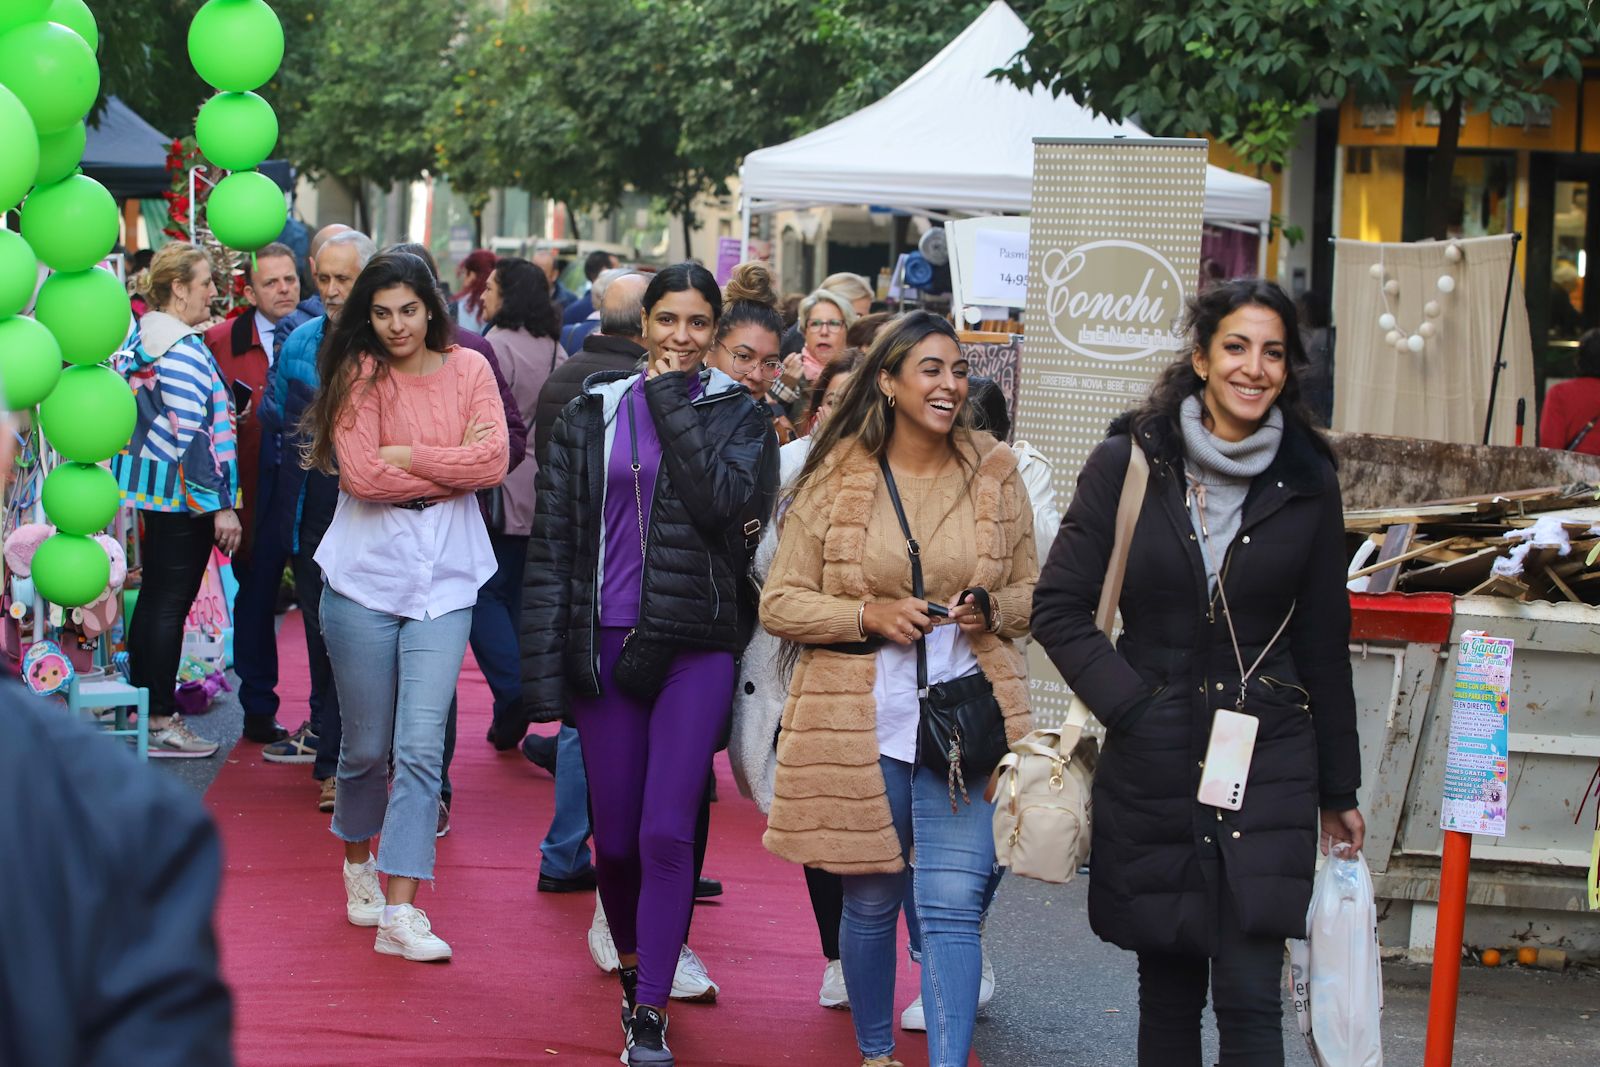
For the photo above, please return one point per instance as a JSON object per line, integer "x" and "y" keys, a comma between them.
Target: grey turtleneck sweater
{"x": 1219, "y": 474}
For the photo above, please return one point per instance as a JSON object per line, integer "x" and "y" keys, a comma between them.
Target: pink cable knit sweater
{"x": 430, "y": 414}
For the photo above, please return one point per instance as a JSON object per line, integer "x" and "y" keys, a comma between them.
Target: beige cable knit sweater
{"x": 841, "y": 545}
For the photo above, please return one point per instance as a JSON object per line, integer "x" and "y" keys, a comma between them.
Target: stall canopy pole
{"x": 1440, "y": 1048}
{"x": 1500, "y": 346}
{"x": 744, "y": 220}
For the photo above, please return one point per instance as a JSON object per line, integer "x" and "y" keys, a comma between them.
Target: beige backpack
{"x": 1042, "y": 788}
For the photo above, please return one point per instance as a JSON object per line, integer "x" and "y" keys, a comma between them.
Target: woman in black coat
{"x": 1197, "y": 891}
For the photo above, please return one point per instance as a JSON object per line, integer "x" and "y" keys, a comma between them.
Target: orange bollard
{"x": 1440, "y": 1048}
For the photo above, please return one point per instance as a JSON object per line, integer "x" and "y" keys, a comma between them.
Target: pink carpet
{"x": 521, "y": 989}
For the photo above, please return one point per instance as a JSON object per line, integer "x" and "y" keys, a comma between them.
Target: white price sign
{"x": 1000, "y": 268}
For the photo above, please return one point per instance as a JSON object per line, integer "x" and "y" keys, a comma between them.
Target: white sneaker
{"x": 986, "y": 982}
{"x": 833, "y": 994}
{"x": 691, "y": 982}
{"x": 601, "y": 948}
{"x": 410, "y": 935}
{"x": 911, "y": 1018}
{"x": 176, "y": 741}
{"x": 363, "y": 896}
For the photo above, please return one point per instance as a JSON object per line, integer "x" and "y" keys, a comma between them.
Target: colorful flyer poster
{"x": 1477, "y": 762}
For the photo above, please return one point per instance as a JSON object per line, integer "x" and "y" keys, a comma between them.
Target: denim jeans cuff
{"x": 349, "y": 839}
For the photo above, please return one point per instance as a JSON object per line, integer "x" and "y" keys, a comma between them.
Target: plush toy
{"x": 25, "y": 540}
{"x": 46, "y": 669}
{"x": 23, "y": 543}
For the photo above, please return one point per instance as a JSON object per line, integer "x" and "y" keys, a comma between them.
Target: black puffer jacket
{"x": 719, "y": 474}
{"x": 1158, "y": 854}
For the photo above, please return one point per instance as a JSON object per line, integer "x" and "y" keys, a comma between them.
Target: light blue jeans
{"x": 955, "y": 861}
{"x": 565, "y": 850}
{"x": 396, "y": 678}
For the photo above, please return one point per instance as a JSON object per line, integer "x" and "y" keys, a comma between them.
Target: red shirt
{"x": 1568, "y": 407}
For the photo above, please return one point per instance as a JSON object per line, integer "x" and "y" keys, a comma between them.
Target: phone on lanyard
{"x": 1227, "y": 766}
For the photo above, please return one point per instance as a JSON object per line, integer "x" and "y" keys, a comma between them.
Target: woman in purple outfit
{"x": 651, "y": 499}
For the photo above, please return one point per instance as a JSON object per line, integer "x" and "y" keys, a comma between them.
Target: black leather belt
{"x": 419, "y": 504}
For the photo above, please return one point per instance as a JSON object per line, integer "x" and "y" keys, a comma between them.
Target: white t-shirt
{"x": 415, "y": 564}
{"x": 949, "y": 656}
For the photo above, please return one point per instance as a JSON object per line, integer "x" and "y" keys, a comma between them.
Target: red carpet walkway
{"x": 310, "y": 990}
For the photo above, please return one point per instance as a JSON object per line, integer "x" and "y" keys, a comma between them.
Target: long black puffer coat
{"x": 713, "y": 495}
{"x": 1158, "y": 853}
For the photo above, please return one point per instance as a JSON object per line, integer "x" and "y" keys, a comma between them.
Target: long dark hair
{"x": 352, "y": 337}
{"x": 1205, "y": 313}
{"x": 847, "y": 362}
{"x": 862, "y": 413}
{"x": 525, "y": 300}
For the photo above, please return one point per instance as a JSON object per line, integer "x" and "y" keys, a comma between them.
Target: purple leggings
{"x": 647, "y": 766}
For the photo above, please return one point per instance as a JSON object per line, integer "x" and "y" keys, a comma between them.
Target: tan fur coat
{"x": 830, "y": 809}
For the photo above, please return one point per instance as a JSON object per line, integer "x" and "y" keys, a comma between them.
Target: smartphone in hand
{"x": 241, "y": 395}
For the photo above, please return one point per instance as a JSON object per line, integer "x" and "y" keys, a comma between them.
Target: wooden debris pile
{"x": 1532, "y": 544}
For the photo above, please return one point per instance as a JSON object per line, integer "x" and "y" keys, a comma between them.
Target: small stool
{"x": 85, "y": 696}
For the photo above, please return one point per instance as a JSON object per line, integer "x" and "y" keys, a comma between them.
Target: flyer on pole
{"x": 1477, "y": 764}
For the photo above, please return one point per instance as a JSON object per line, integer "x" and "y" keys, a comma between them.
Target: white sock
{"x": 391, "y": 912}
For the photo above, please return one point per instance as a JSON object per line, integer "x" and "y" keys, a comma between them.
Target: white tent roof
{"x": 952, "y": 138}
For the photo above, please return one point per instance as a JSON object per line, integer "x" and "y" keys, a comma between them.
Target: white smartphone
{"x": 1233, "y": 741}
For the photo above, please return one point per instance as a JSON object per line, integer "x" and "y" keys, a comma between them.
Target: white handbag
{"x": 1042, "y": 788}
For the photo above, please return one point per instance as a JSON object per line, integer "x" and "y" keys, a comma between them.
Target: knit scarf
{"x": 1220, "y": 473}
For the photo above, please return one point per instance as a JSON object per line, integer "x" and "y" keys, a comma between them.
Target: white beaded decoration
{"x": 1386, "y": 321}
{"x": 1447, "y": 283}
{"x": 1391, "y": 287}
{"x": 1427, "y": 329}
{"x": 1415, "y": 342}
{"x": 1376, "y": 270}
{"x": 1393, "y": 336}
{"x": 1431, "y": 309}
{"x": 1404, "y": 341}
{"x": 1452, "y": 252}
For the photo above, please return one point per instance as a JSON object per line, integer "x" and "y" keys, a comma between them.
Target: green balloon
{"x": 60, "y": 153}
{"x": 73, "y": 224}
{"x": 53, "y": 72}
{"x": 19, "y": 162}
{"x": 246, "y": 210}
{"x": 90, "y": 414}
{"x": 236, "y": 45}
{"x": 87, "y": 311}
{"x": 76, "y": 16}
{"x": 19, "y": 273}
{"x": 81, "y": 498}
{"x": 236, "y": 131}
{"x": 30, "y": 363}
{"x": 16, "y": 12}
{"x": 71, "y": 570}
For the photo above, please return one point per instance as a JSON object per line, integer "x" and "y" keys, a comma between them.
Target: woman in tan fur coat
{"x": 849, "y": 796}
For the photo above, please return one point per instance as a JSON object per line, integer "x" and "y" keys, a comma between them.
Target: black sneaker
{"x": 647, "y": 1039}
{"x": 540, "y": 751}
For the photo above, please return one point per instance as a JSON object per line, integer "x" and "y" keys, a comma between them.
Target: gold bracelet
{"x": 861, "y": 620}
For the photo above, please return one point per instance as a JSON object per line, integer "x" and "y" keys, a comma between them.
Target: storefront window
{"x": 1568, "y": 260}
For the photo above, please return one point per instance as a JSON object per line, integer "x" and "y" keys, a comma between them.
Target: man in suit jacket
{"x": 246, "y": 348}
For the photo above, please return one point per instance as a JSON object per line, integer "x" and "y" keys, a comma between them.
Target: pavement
{"x": 1064, "y": 998}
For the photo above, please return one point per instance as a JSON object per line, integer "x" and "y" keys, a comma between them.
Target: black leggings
{"x": 1246, "y": 979}
{"x": 174, "y": 550}
{"x": 827, "y": 904}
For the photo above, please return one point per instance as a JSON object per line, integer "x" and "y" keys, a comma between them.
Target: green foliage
{"x": 1249, "y": 71}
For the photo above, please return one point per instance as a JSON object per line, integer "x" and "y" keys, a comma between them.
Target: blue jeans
{"x": 496, "y": 623}
{"x": 564, "y": 852}
{"x": 255, "y": 605}
{"x": 955, "y": 861}
{"x": 395, "y": 678}
{"x": 324, "y": 692}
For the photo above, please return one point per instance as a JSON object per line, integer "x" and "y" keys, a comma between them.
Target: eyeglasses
{"x": 828, "y": 325}
{"x": 770, "y": 367}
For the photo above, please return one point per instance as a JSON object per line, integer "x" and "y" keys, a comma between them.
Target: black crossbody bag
{"x": 961, "y": 732}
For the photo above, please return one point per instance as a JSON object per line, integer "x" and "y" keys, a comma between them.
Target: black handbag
{"x": 492, "y": 505}
{"x": 961, "y": 732}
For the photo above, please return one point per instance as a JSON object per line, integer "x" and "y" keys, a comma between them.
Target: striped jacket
{"x": 183, "y": 456}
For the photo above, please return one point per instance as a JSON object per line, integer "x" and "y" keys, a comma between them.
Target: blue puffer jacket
{"x": 301, "y": 502}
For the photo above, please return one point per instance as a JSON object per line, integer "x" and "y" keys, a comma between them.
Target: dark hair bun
{"x": 751, "y": 282}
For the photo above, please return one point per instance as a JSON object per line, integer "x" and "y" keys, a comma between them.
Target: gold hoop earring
{"x": 890, "y": 398}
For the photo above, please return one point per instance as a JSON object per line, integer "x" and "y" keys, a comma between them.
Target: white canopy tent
{"x": 952, "y": 139}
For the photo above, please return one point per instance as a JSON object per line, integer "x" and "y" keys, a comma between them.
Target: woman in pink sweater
{"x": 412, "y": 424}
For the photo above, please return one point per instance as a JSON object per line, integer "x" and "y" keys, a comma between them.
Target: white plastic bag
{"x": 1335, "y": 974}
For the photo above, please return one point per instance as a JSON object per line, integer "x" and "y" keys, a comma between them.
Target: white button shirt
{"x": 414, "y": 564}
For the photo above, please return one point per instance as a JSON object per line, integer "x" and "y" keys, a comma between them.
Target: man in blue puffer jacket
{"x": 303, "y": 501}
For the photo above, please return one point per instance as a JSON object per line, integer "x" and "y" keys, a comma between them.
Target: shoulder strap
{"x": 1572, "y": 445}
{"x": 1128, "y": 505}
{"x": 913, "y": 550}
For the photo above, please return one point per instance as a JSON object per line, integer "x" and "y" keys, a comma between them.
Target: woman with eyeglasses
{"x": 824, "y": 317}
{"x": 748, "y": 339}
